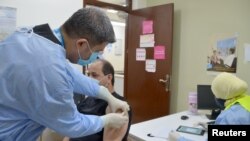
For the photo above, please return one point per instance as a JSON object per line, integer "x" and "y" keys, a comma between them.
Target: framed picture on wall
{"x": 223, "y": 57}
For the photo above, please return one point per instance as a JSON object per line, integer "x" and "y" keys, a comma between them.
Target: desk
{"x": 160, "y": 127}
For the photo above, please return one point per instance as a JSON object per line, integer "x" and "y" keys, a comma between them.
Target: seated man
{"x": 102, "y": 71}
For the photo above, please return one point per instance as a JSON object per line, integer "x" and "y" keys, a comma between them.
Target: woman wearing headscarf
{"x": 231, "y": 93}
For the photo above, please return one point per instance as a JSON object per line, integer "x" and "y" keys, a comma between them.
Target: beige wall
{"x": 196, "y": 23}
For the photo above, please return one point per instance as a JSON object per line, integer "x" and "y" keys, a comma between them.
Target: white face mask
{"x": 99, "y": 81}
{"x": 103, "y": 84}
{"x": 95, "y": 80}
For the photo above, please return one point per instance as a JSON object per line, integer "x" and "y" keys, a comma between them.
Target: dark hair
{"x": 232, "y": 50}
{"x": 92, "y": 24}
{"x": 107, "y": 68}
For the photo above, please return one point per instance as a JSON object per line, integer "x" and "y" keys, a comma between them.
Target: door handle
{"x": 166, "y": 81}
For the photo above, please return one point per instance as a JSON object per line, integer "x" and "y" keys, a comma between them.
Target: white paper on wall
{"x": 140, "y": 54}
{"x": 150, "y": 65}
{"x": 118, "y": 47}
{"x": 247, "y": 52}
{"x": 147, "y": 40}
{"x": 7, "y": 21}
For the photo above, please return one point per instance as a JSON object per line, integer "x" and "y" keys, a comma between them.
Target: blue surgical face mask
{"x": 93, "y": 57}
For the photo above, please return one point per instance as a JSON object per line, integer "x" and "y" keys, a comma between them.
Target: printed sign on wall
{"x": 147, "y": 27}
{"x": 140, "y": 54}
{"x": 147, "y": 40}
{"x": 150, "y": 65}
{"x": 159, "y": 52}
{"x": 223, "y": 56}
{"x": 7, "y": 21}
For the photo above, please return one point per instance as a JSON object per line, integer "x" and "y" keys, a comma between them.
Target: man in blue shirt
{"x": 37, "y": 82}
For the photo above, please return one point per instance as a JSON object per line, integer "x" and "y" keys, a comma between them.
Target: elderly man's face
{"x": 95, "y": 71}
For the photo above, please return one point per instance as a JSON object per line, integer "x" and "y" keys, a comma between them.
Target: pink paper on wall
{"x": 159, "y": 52}
{"x": 147, "y": 27}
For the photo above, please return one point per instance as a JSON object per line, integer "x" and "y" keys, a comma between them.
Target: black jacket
{"x": 94, "y": 106}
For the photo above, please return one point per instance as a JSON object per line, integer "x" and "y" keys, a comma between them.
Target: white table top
{"x": 160, "y": 127}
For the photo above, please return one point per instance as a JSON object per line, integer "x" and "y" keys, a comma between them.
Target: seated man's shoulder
{"x": 92, "y": 106}
{"x": 116, "y": 95}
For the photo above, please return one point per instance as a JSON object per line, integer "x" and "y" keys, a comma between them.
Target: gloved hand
{"x": 114, "y": 120}
{"x": 173, "y": 136}
{"x": 114, "y": 103}
{"x": 202, "y": 124}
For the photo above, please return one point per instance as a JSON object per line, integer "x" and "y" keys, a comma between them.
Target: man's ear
{"x": 81, "y": 42}
{"x": 110, "y": 77}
